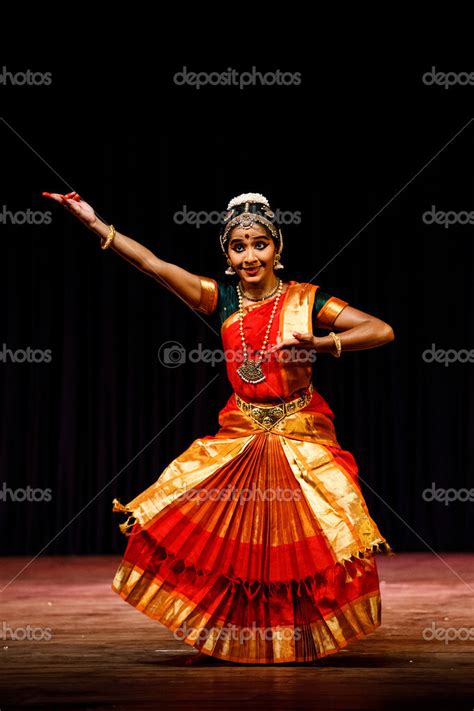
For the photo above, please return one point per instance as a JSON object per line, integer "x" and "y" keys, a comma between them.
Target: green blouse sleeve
{"x": 227, "y": 301}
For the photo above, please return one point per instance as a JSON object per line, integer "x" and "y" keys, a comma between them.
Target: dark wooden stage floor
{"x": 104, "y": 654}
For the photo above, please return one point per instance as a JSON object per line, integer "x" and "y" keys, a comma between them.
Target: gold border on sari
{"x": 191, "y": 468}
{"x": 296, "y": 315}
{"x": 335, "y": 499}
{"x": 271, "y": 644}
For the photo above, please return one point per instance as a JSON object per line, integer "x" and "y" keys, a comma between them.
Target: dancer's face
{"x": 252, "y": 247}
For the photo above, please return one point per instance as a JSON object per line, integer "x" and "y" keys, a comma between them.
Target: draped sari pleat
{"x": 255, "y": 545}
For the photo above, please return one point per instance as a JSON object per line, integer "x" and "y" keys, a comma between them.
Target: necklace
{"x": 250, "y": 371}
{"x": 261, "y": 298}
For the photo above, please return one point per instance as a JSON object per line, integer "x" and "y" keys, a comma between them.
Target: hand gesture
{"x": 73, "y": 202}
{"x": 300, "y": 342}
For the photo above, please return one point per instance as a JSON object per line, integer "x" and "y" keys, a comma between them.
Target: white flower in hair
{"x": 248, "y": 197}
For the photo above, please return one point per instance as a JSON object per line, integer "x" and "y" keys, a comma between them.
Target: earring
{"x": 277, "y": 264}
{"x": 230, "y": 268}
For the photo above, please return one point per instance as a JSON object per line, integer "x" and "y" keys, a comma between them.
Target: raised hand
{"x": 74, "y": 203}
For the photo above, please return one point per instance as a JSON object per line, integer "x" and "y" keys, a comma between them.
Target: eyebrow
{"x": 240, "y": 239}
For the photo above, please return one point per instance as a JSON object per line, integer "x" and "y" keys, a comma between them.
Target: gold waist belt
{"x": 268, "y": 415}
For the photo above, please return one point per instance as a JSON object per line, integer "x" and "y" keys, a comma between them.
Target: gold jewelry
{"x": 247, "y": 210}
{"x": 230, "y": 268}
{"x": 268, "y": 415}
{"x": 248, "y": 219}
{"x": 277, "y": 264}
{"x": 105, "y": 244}
{"x": 337, "y": 342}
{"x": 250, "y": 371}
{"x": 262, "y": 298}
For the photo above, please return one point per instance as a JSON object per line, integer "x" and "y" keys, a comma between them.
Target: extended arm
{"x": 176, "y": 279}
{"x": 180, "y": 282}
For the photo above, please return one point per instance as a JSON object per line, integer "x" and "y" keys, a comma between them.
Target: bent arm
{"x": 180, "y": 282}
{"x": 358, "y": 331}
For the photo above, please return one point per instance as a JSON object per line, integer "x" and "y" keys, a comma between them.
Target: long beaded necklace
{"x": 250, "y": 371}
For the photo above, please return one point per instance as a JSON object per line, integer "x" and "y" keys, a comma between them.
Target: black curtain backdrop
{"x": 362, "y": 154}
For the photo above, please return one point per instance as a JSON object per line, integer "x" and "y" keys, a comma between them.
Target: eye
{"x": 261, "y": 244}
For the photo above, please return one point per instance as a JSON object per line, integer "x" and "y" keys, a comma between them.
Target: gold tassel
{"x": 117, "y": 506}
{"x": 363, "y": 555}
{"x": 348, "y": 575}
{"x": 124, "y": 527}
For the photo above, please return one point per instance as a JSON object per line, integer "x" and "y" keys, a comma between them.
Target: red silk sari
{"x": 256, "y": 545}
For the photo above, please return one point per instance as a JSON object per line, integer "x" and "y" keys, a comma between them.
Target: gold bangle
{"x": 337, "y": 341}
{"x": 110, "y": 238}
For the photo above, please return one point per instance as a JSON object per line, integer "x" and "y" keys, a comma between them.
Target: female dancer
{"x": 255, "y": 545}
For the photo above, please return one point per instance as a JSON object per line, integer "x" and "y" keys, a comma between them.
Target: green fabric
{"x": 319, "y": 301}
{"x": 227, "y": 301}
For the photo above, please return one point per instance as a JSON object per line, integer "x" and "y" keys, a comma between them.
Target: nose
{"x": 250, "y": 259}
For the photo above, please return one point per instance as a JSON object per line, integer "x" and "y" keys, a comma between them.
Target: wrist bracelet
{"x": 337, "y": 342}
{"x": 110, "y": 238}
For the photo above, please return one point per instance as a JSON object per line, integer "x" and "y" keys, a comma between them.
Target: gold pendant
{"x": 251, "y": 372}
